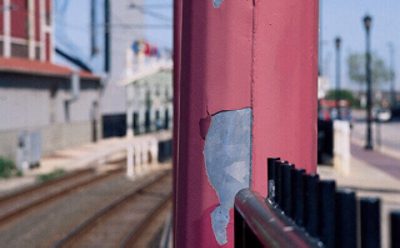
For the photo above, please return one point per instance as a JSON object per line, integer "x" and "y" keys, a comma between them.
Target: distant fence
{"x": 164, "y": 150}
{"x": 303, "y": 211}
{"x": 114, "y": 125}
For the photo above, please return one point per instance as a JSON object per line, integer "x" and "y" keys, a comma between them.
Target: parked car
{"x": 382, "y": 115}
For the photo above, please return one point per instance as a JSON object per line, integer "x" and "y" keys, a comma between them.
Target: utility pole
{"x": 93, "y": 28}
{"x": 367, "y": 25}
{"x": 107, "y": 35}
{"x": 392, "y": 75}
{"x": 235, "y": 88}
{"x": 338, "y": 42}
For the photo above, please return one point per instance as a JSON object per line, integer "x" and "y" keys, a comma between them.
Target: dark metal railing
{"x": 259, "y": 224}
{"x": 303, "y": 211}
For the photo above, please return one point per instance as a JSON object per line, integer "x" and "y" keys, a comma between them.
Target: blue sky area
{"x": 161, "y": 36}
{"x": 72, "y": 23}
{"x": 339, "y": 18}
{"x": 344, "y": 18}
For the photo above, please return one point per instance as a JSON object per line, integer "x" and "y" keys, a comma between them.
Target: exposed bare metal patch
{"x": 227, "y": 153}
{"x": 217, "y": 3}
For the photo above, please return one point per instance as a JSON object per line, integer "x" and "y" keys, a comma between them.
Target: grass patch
{"x": 19, "y": 173}
{"x": 51, "y": 176}
{"x": 7, "y": 168}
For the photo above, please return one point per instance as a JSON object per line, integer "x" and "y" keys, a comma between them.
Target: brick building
{"x": 50, "y": 105}
{"x": 26, "y": 29}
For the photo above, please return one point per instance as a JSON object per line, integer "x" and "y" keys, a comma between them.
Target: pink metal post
{"x": 245, "y": 90}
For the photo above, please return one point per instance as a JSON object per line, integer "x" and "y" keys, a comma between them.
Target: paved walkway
{"x": 77, "y": 157}
{"x": 385, "y": 163}
{"x": 372, "y": 174}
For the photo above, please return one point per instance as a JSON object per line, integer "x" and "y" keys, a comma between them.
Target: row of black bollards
{"x": 334, "y": 216}
{"x": 395, "y": 229}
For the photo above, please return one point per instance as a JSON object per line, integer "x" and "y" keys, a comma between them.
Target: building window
{"x": 48, "y": 18}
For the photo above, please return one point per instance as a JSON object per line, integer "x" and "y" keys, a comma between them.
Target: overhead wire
{"x": 150, "y": 13}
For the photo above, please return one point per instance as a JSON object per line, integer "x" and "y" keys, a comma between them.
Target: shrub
{"x": 7, "y": 168}
{"x": 51, "y": 176}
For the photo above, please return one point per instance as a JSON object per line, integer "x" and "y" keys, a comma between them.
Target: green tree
{"x": 380, "y": 73}
{"x": 343, "y": 95}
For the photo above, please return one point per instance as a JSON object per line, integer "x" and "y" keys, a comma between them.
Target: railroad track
{"x": 22, "y": 202}
{"x": 145, "y": 234}
{"x": 122, "y": 221}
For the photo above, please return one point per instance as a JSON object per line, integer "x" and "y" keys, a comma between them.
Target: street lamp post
{"x": 367, "y": 24}
{"x": 338, "y": 42}
{"x": 392, "y": 75}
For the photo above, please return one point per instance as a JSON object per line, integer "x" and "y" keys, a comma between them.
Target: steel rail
{"x": 135, "y": 234}
{"x": 36, "y": 187}
{"x": 259, "y": 224}
{"x": 8, "y": 217}
{"x": 39, "y": 186}
{"x": 89, "y": 223}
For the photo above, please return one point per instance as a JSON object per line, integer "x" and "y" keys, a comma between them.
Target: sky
{"x": 72, "y": 27}
{"x": 344, "y": 18}
{"x": 161, "y": 37}
{"x": 339, "y": 18}
{"x": 72, "y": 31}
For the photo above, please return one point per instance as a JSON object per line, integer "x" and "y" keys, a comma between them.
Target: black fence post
{"x": 271, "y": 178}
{"x": 327, "y": 190}
{"x": 298, "y": 196}
{"x": 278, "y": 182}
{"x": 287, "y": 189}
{"x": 395, "y": 229}
{"x": 264, "y": 225}
{"x": 346, "y": 219}
{"x": 370, "y": 210}
{"x": 239, "y": 229}
{"x": 311, "y": 204}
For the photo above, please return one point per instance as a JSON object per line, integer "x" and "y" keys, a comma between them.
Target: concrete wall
{"x": 35, "y": 103}
{"x": 54, "y": 137}
{"x": 122, "y": 37}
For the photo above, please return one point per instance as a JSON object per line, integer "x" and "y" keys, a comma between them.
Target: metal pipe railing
{"x": 259, "y": 224}
{"x": 302, "y": 210}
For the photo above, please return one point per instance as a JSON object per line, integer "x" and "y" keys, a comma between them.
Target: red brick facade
{"x": 29, "y": 25}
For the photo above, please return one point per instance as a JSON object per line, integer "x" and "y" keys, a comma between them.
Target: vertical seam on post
{"x": 252, "y": 83}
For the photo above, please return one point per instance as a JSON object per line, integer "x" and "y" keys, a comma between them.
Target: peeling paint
{"x": 217, "y": 3}
{"x": 227, "y": 153}
{"x": 204, "y": 125}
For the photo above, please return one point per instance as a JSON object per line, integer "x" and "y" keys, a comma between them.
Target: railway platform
{"x": 93, "y": 204}
{"x": 372, "y": 174}
{"x": 76, "y": 158}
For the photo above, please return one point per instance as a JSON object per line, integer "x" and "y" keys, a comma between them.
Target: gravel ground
{"x": 44, "y": 226}
{"x": 112, "y": 229}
